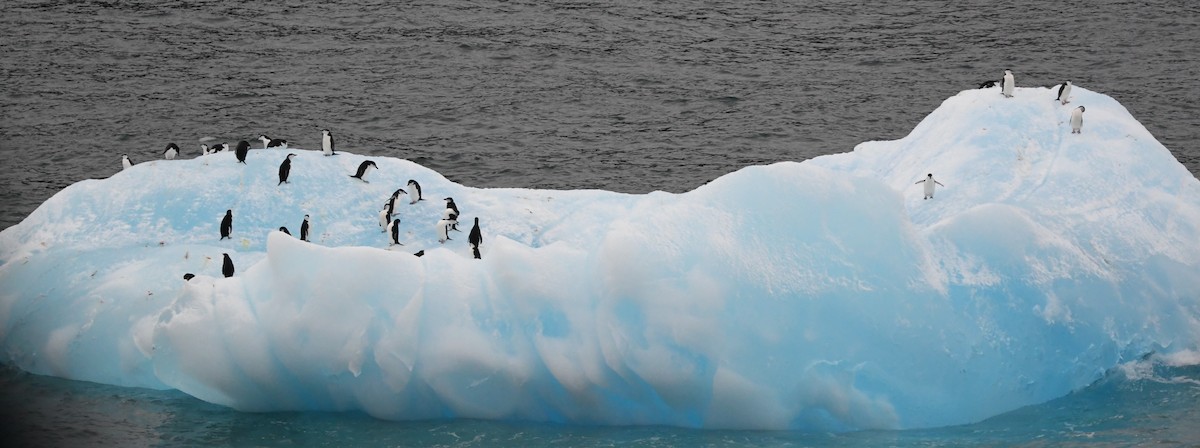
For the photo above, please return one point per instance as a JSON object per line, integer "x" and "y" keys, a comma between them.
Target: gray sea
{"x": 629, "y": 96}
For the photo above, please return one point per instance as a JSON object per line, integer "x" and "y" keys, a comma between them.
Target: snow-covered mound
{"x": 819, "y": 295}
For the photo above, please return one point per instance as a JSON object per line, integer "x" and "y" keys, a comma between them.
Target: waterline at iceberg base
{"x": 822, "y": 295}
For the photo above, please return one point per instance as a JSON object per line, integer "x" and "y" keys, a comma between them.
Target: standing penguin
{"x": 304, "y": 229}
{"x": 171, "y": 151}
{"x": 929, "y": 185}
{"x": 394, "y": 231}
{"x": 227, "y": 224}
{"x": 443, "y": 227}
{"x": 364, "y": 168}
{"x": 204, "y": 151}
{"x": 327, "y": 143}
{"x": 1006, "y": 84}
{"x": 475, "y": 238}
{"x": 1064, "y": 93}
{"x": 269, "y": 142}
{"x": 414, "y": 192}
{"x": 1077, "y": 120}
{"x": 451, "y": 208}
{"x": 384, "y": 218}
{"x": 242, "y": 150}
{"x": 125, "y": 162}
{"x": 227, "y": 266}
{"x": 285, "y": 169}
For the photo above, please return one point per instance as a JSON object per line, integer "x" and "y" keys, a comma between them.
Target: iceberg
{"x": 822, "y": 295}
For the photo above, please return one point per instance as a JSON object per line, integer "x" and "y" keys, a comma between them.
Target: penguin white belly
{"x": 1008, "y": 86}
{"x": 1076, "y": 120}
{"x": 1066, "y": 94}
{"x": 327, "y": 145}
{"x": 929, "y": 184}
{"x": 383, "y": 221}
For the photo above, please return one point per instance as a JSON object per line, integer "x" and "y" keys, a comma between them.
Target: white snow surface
{"x": 823, "y": 295}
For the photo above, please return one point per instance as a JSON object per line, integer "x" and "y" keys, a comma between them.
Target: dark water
{"x": 624, "y": 96}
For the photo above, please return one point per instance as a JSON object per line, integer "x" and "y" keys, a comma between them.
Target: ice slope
{"x": 823, "y": 295}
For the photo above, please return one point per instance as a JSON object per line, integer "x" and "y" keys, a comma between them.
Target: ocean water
{"x": 624, "y": 96}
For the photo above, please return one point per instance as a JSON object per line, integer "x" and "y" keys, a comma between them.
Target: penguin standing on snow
{"x": 327, "y": 143}
{"x": 929, "y": 185}
{"x": 125, "y": 162}
{"x": 444, "y": 225}
{"x": 384, "y": 218}
{"x": 1077, "y": 120}
{"x": 285, "y": 169}
{"x": 414, "y": 192}
{"x": 171, "y": 151}
{"x": 304, "y": 229}
{"x": 394, "y": 231}
{"x": 364, "y": 168}
{"x": 475, "y": 238}
{"x": 391, "y": 203}
{"x": 1064, "y": 93}
{"x": 227, "y": 224}
{"x": 242, "y": 150}
{"x": 227, "y": 266}
{"x": 451, "y": 209}
{"x": 1007, "y": 84}
{"x": 269, "y": 142}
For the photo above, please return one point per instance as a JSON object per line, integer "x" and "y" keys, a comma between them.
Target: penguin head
{"x": 289, "y": 157}
{"x": 306, "y": 217}
{"x": 930, "y": 175}
{"x": 1081, "y": 109}
{"x": 228, "y": 212}
{"x": 324, "y": 132}
{"x": 396, "y": 222}
{"x": 476, "y": 220}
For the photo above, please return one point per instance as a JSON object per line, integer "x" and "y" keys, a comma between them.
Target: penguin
{"x": 327, "y": 143}
{"x": 227, "y": 224}
{"x": 1006, "y": 85}
{"x": 218, "y": 148}
{"x": 204, "y": 150}
{"x": 419, "y": 253}
{"x": 929, "y": 185}
{"x": 304, "y": 229}
{"x": 451, "y": 208}
{"x": 242, "y": 150}
{"x": 269, "y": 142}
{"x": 1077, "y": 120}
{"x": 443, "y": 227}
{"x": 384, "y": 218}
{"x": 391, "y": 203}
{"x": 285, "y": 230}
{"x": 125, "y": 162}
{"x": 1064, "y": 93}
{"x": 987, "y": 84}
{"x": 414, "y": 192}
{"x": 227, "y": 266}
{"x": 171, "y": 151}
{"x": 475, "y": 238}
{"x": 285, "y": 168}
{"x": 188, "y": 276}
{"x": 394, "y": 230}
{"x": 364, "y": 168}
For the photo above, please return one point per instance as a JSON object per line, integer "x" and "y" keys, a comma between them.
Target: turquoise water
{"x": 1157, "y": 406}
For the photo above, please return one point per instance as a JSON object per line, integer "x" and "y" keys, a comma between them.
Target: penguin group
{"x": 389, "y": 219}
{"x": 1007, "y": 85}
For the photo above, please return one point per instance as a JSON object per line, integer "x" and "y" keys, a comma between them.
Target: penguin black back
{"x": 304, "y": 229}
{"x": 242, "y": 150}
{"x": 227, "y": 266}
{"x": 475, "y": 238}
{"x": 285, "y": 169}
{"x": 227, "y": 224}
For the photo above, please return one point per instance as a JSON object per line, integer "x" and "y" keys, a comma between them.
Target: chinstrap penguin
{"x": 227, "y": 266}
{"x": 475, "y": 238}
{"x": 1006, "y": 85}
{"x": 443, "y": 227}
{"x": 241, "y": 151}
{"x": 304, "y": 229}
{"x": 1077, "y": 120}
{"x": 414, "y": 192}
{"x": 269, "y": 142}
{"x": 227, "y": 224}
{"x": 1064, "y": 93}
{"x": 125, "y": 162}
{"x": 929, "y": 185}
{"x": 364, "y": 168}
{"x": 171, "y": 151}
{"x": 285, "y": 169}
{"x": 451, "y": 209}
{"x": 327, "y": 143}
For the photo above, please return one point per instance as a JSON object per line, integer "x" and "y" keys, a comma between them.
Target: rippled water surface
{"x": 624, "y": 96}
{"x": 617, "y": 95}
